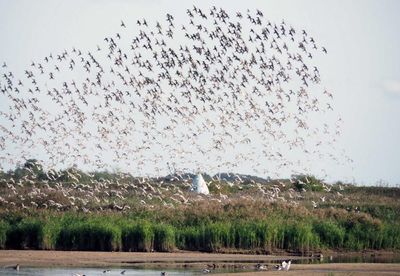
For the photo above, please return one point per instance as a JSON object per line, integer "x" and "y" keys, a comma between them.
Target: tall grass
{"x": 51, "y": 231}
{"x": 138, "y": 236}
{"x": 363, "y": 234}
{"x": 391, "y": 236}
{"x": 216, "y": 236}
{"x": 164, "y": 238}
{"x": 188, "y": 238}
{"x": 331, "y": 234}
{"x": 27, "y": 234}
{"x": 3, "y": 234}
{"x": 164, "y": 232}
{"x": 299, "y": 236}
{"x": 89, "y": 235}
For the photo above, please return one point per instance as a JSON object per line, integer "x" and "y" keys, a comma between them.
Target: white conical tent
{"x": 199, "y": 185}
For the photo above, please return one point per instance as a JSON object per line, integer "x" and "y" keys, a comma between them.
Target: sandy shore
{"x": 185, "y": 259}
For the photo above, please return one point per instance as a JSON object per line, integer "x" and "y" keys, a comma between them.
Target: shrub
{"x": 308, "y": 182}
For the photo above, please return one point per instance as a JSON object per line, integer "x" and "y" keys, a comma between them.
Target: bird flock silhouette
{"x": 219, "y": 92}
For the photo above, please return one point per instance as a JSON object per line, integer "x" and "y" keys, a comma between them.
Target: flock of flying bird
{"x": 76, "y": 190}
{"x": 216, "y": 93}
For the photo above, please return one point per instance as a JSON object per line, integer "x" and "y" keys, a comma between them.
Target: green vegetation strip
{"x": 112, "y": 232}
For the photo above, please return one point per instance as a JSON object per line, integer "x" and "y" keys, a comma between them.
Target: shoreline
{"x": 187, "y": 260}
{"x": 38, "y": 258}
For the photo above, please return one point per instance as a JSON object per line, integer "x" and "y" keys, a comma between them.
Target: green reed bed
{"x": 391, "y": 236}
{"x": 89, "y": 236}
{"x": 164, "y": 238}
{"x": 27, "y": 233}
{"x": 137, "y": 236}
{"x": 330, "y": 233}
{"x": 364, "y": 234}
{"x": 165, "y": 233}
{"x": 3, "y": 234}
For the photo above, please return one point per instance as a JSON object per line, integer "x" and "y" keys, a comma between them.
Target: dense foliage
{"x": 73, "y": 210}
{"x": 205, "y": 228}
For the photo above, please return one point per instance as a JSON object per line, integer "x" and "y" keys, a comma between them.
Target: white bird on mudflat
{"x": 286, "y": 265}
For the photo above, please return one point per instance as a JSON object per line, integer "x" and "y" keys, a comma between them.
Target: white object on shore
{"x": 286, "y": 265}
{"x": 199, "y": 185}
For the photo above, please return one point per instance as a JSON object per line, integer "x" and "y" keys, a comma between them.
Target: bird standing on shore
{"x": 285, "y": 265}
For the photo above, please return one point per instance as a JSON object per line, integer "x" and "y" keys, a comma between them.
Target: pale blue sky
{"x": 362, "y": 68}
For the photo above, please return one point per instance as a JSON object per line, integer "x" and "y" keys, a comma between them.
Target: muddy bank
{"x": 242, "y": 264}
{"x": 81, "y": 258}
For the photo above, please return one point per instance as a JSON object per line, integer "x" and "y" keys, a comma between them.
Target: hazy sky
{"x": 362, "y": 67}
